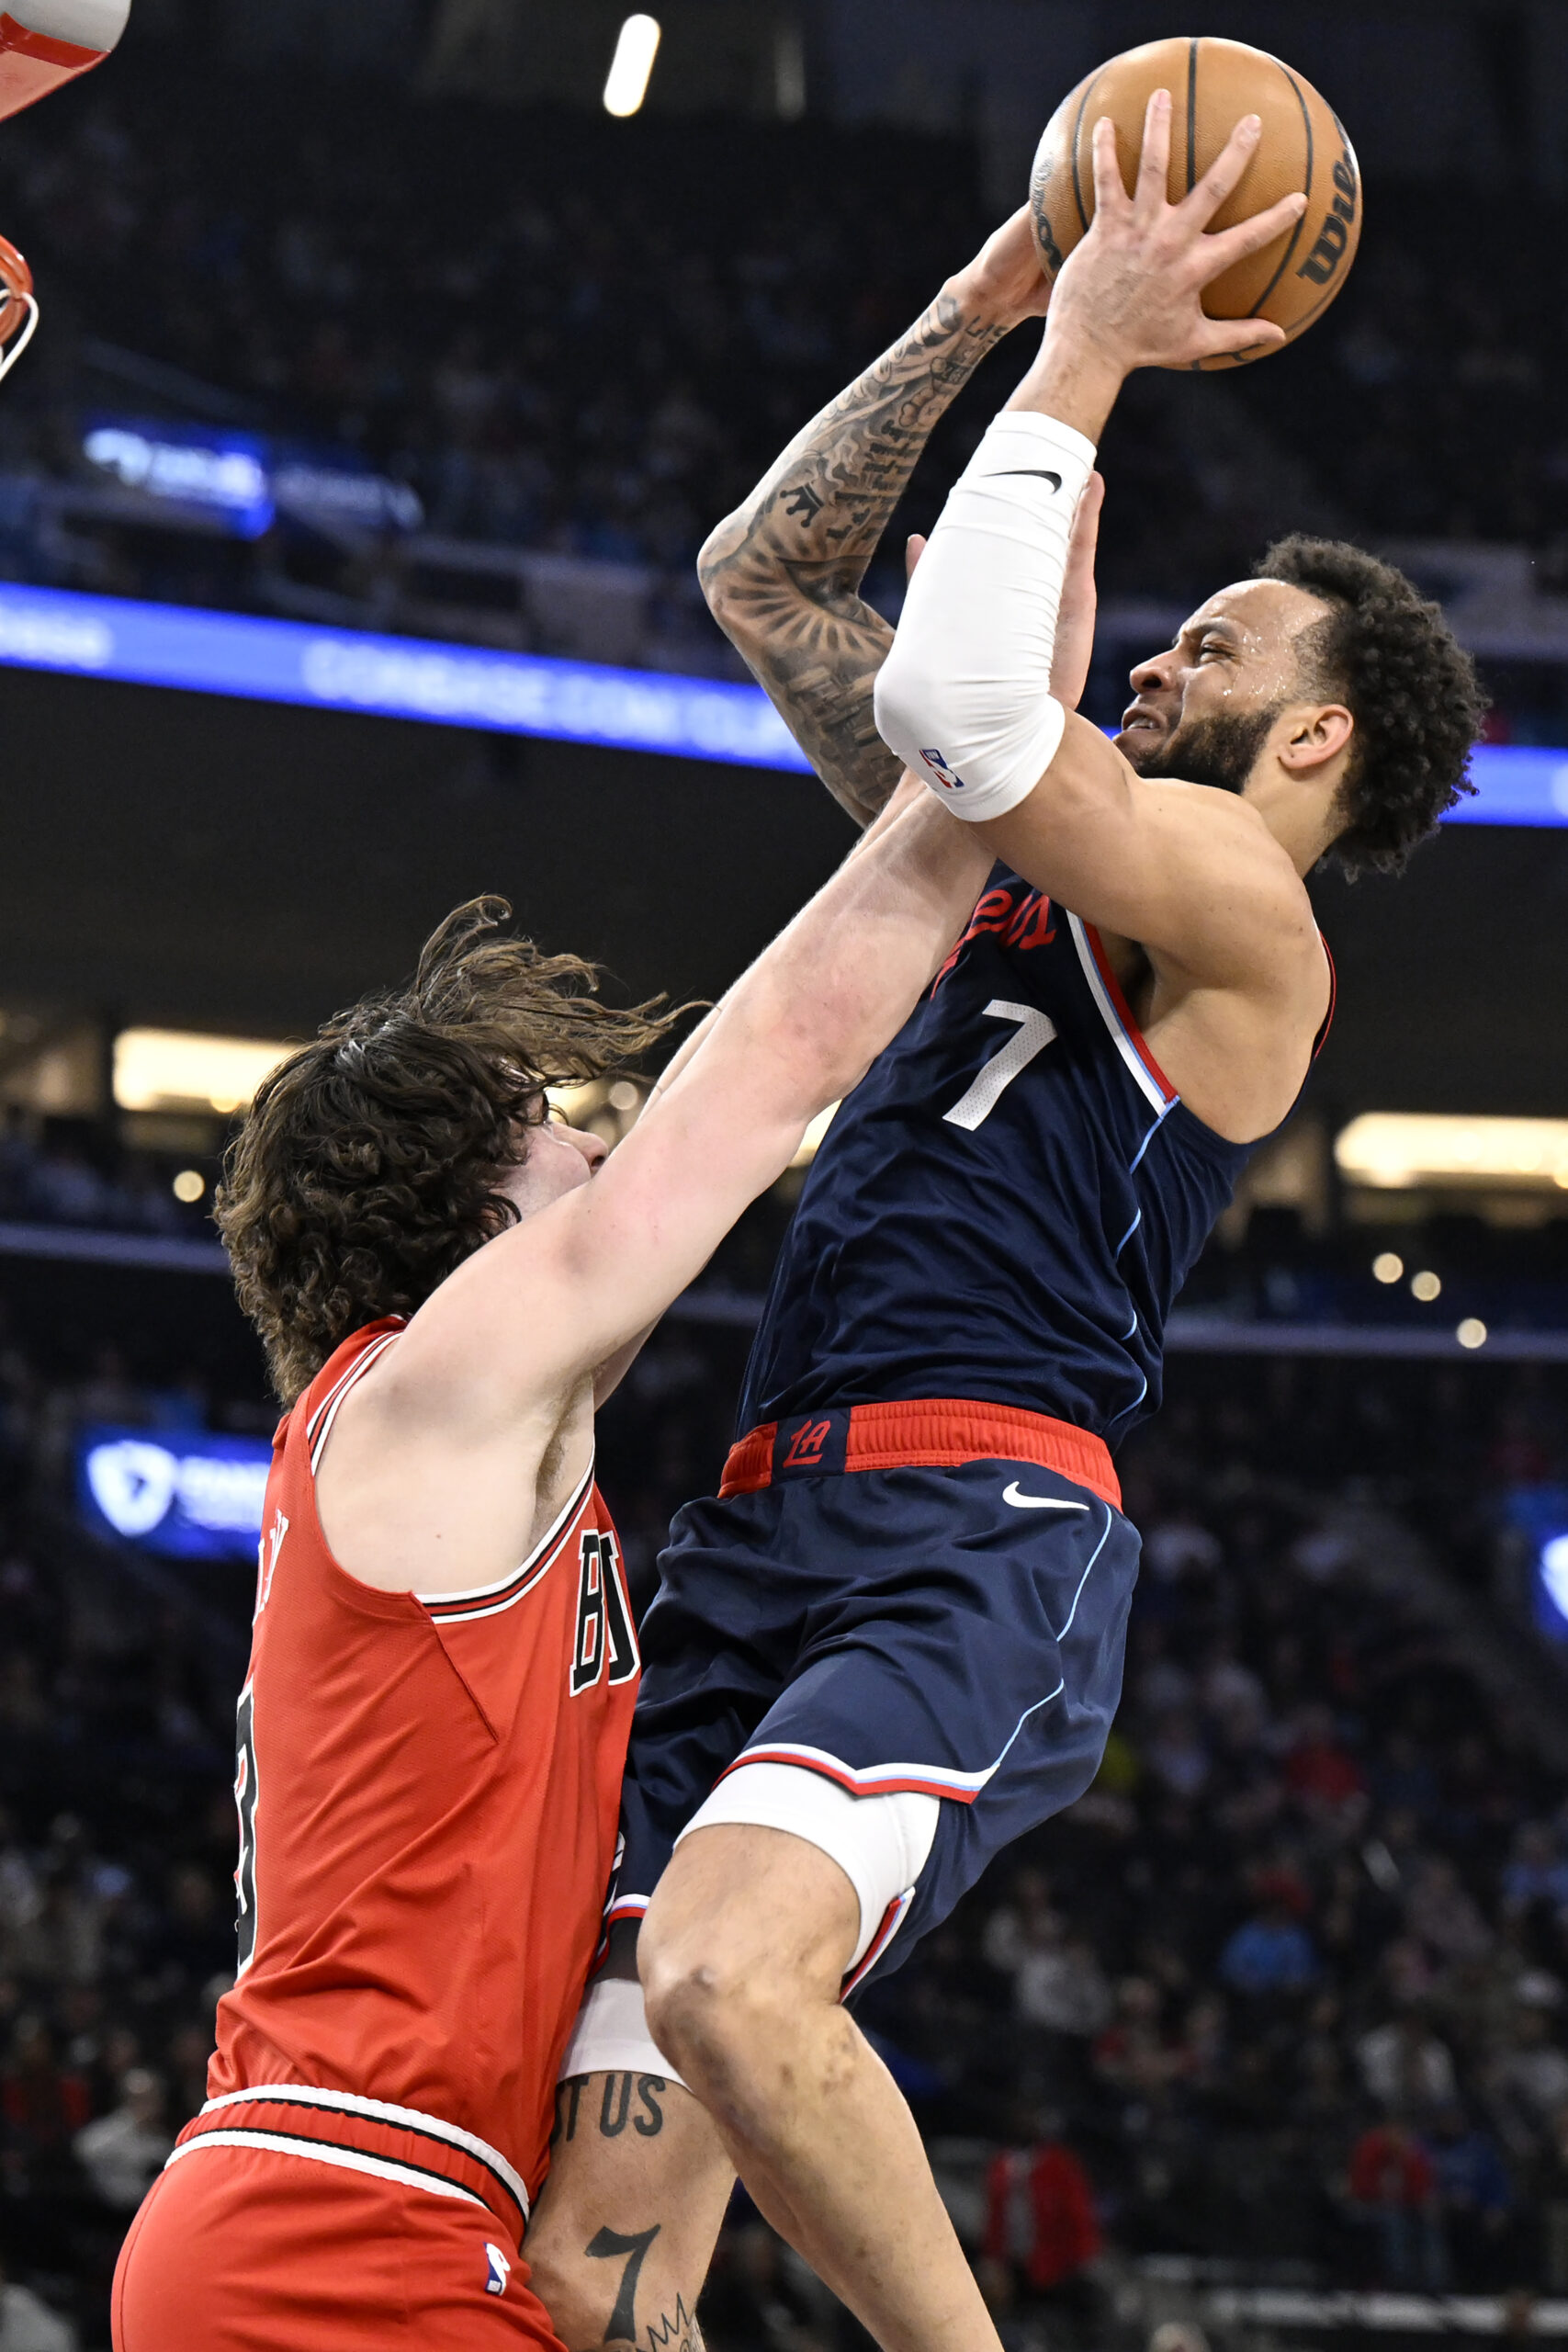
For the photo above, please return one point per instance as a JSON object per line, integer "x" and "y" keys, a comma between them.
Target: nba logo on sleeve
{"x": 942, "y": 772}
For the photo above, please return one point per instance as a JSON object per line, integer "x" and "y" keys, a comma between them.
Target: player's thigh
{"x": 623, "y": 2230}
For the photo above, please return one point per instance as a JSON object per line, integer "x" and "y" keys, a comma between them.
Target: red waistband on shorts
{"x": 397, "y": 2144}
{"x": 932, "y": 1432}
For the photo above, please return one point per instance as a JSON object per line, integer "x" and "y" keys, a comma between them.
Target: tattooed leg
{"x": 782, "y": 573}
{"x": 624, "y": 2228}
{"x": 742, "y": 1954}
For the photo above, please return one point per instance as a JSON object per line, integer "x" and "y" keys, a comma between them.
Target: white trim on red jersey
{"x": 319, "y": 2152}
{"x": 334, "y": 1397}
{"x": 489, "y": 1600}
{"x": 405, "y": 2118}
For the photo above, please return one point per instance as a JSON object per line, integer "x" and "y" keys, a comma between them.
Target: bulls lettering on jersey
{"x": 1006, "y": 1204}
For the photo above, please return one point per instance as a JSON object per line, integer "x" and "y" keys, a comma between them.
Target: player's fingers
{"x": 1201, "y": 202}
{"x": 914, "y": 548}
{"x": 1086, "y": 522}
{"x": 1109, "y": 194}
{"x": 1226, "y": 246}
{"x": 1223, "y": 338}
{"x": 1154, "y": 161}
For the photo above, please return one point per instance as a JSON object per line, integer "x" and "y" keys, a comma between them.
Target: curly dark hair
{"x": 1388, "y": 654}
{"x": 365, "y": 1170}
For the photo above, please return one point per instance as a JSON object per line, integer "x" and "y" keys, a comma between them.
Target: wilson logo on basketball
{"x": 1334, "y": 237}
{"x": 807, "y": 1444}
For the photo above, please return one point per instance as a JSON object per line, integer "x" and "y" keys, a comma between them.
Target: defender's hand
{"x": 1005, "y": 280}
{"x": 1076, "y": 614}
{"x": 1132, "y": 291}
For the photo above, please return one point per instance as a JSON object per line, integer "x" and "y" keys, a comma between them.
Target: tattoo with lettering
{"x": 615, "y": 2109}
{"x": 782, "y": 573}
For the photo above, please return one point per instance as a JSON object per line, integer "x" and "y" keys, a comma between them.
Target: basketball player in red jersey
{"x": 435, "y": 1720}
{"x": 893, "y": 1642}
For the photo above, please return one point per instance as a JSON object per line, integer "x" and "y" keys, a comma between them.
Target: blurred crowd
{"x": 59, "y": 1172}
{"x": 589, "y": 337}
{"x": 1288, "y": 1988}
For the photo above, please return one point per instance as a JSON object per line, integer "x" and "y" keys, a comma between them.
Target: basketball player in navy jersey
{"x": 894, "y": 1642}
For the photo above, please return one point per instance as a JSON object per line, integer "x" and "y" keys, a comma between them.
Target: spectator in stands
{"x": 1475, "y": 2197}
{"x": 1060, "y": 1985}
{"x": 1528, "y": 2079}
{"x": 27, "y": 2323}
{"x": 1445, "y": 1918}
{"x": 1270, "y": 1953}
{"x": 124, "y": 2152}
{"x": 43, "y": 2107}
{"x": 1320, "y": 1772}
{"x": 1405, "y": 2067}
{"x": 1537, "y": 1873}
{"x": 1394, "y": 2189}
{"x": 1040, "y": 2216}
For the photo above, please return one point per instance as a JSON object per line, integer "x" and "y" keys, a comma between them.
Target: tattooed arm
{"x": 782, "y": 573}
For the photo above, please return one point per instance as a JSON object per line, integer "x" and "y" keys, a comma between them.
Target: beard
{"x": 1220, "y": 751}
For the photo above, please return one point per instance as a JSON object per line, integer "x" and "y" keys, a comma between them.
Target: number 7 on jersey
{"x": 1035, "y": 1032}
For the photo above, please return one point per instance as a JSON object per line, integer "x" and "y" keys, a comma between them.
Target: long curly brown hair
{"x": 365, "y": 1169}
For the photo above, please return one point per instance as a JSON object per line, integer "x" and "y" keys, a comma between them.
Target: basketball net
{"x": 18, "y": 309}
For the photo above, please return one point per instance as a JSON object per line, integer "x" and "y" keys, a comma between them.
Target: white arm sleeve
{"x": 964, "y": 697}
{"x": 86, "y": 24}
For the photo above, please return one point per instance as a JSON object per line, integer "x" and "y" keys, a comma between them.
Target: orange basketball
{"x": 1212, "y": 83}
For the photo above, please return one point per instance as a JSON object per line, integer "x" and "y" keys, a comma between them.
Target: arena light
{"x": 636, "y": 49}
{"x": 1395, "y": 1150}
{"x": 180, "y": 1069}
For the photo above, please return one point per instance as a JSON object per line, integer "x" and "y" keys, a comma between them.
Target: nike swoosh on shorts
{"x": 1036, "y": 473}
{"x": 1038, "y": 1502}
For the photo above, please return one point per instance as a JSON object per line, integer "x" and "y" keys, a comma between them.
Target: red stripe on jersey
{"x": 1135, "y": 1037}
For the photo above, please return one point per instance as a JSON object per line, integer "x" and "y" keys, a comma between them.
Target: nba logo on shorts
{"x": 942, "y": 772}
{"x": 499, "y": 2270}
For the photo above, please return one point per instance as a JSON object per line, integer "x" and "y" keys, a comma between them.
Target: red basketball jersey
{"x": 428, "y": 1792}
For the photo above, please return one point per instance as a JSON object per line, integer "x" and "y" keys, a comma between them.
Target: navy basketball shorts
{"x": 923, "y": 1599}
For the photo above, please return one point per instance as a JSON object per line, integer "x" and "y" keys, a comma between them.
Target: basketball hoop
{"x": 18, "y": 309}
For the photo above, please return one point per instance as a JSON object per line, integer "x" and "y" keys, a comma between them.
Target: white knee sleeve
{"x": 881, "y": 1844}
{"x": 964, "y": 696}
{"x": 611, "y": 2036}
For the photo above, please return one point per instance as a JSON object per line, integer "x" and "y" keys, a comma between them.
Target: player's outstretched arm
{"x": 543, "y": 1306}
{"x": 782, "y": 573}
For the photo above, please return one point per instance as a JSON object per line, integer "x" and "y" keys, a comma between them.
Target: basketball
{"x": 1212, "y": 83}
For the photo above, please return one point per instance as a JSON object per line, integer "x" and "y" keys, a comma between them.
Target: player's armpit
{"x": 1193, "y": 873}
{"x": 623, "y": 2230}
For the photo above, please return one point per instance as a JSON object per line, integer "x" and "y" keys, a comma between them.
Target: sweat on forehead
{"x": 1263, "y": 610}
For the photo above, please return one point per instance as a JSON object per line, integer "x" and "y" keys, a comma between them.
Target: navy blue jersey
{"x": 1006, "y": 1206}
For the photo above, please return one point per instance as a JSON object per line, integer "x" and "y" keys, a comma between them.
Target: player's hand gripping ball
{"x": 1212, "y": 83}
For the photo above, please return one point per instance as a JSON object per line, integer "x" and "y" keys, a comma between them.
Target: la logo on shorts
{"x": 499, "y": 2270}
{"x": 942, "y": 772}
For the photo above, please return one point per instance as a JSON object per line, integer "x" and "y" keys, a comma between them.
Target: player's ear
{"x": 1316, "y": 734}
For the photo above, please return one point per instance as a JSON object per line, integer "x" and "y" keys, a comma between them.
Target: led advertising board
{"x": 182, "y": 1494}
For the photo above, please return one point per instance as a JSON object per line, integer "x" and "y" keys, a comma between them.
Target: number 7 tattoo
{"x": 604, "y": 2246}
